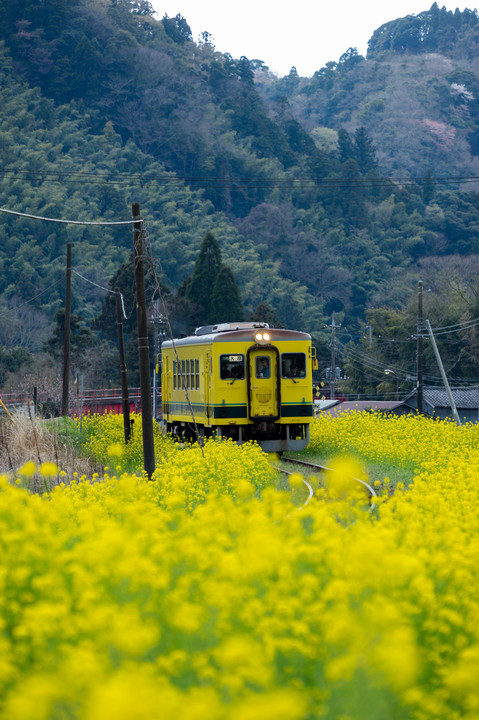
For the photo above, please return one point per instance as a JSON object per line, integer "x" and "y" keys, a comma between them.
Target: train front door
{"x": 263, "y": 384}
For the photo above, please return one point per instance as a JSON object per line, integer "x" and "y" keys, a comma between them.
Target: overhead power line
{"x": 67, "y": 222}
{"x": 456, "y": 328}
{"x": 108, "y": 290}
{"x": 169, "y": 178}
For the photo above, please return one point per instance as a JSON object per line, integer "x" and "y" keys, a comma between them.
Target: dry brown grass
{"x": 24, "y": 438}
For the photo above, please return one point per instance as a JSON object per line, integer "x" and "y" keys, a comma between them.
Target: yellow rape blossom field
{"x": 205, "y": 594}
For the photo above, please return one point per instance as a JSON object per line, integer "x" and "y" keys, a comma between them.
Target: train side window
{"x": 174, "y": 374}
{"x": 293, "y": 365}
{"x": 232, "y": 367}
{"x": 197, "y": 373}
{"x": 183, "y": 370}
{"x": 188, "y": 374}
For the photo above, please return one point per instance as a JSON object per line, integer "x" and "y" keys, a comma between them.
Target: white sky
{"x": 303, "y": 33}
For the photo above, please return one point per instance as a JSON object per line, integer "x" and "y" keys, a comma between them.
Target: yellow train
{"x": 244, "y": 381}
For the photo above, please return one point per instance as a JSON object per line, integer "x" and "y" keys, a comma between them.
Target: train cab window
{"x": 293, "y": 365}
{"x": 232, "y": 367}
{"x": 263, "y": 367}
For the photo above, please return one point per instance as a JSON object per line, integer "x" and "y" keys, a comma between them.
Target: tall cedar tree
{"x": 226, "y": 304}
{"x": 207, "y": 267}
{"x": 365, "y": 152}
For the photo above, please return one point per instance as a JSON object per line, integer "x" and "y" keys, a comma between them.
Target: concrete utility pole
{"x": 143, "y": 348}
{"x": 66, "y": 335}
{"x": 420, "y": 328}
{"x": 443, "y": 374}
{"x": 124, "y": 383}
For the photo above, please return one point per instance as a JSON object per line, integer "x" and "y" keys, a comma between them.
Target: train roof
{"x": 235, "y": 332}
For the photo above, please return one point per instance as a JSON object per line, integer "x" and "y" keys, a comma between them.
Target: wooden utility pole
{"x": 143, "y": 348}
{"x": 124, "y": 383}
{"x": 420, "y": 328}
{"x": 66, "y": 336}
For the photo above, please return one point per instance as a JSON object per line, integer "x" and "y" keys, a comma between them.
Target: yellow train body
{"x": 245, "y": 381}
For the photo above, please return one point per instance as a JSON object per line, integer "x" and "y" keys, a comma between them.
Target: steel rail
{"x": 311, "y": 491}
{"x": 323, "y": 468}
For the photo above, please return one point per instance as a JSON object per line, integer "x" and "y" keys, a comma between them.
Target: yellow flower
{"x": 115, "y": 450}
{"x": 48, "y": 469}
{"x": 28, "y": 469}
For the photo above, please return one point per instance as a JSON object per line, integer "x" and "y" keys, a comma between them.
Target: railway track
{"x": 322, "y": 469}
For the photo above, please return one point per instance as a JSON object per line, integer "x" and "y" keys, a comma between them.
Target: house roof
{"x": 464, "y": 397}
{"x": 359, "y": 405}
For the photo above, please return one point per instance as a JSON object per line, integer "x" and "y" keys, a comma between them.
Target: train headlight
{"x": 262, "y": 337}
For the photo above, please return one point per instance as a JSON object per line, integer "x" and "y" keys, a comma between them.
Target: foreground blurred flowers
{"x": 203, "y": 594}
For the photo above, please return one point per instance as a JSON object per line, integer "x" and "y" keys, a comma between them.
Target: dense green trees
{"x": 435, "y": 30}
{"x": 81, "y": 338}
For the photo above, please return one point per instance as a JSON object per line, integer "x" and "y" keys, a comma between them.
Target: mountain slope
{"x": 56, "y": 165}
{"x": 417, "y": 92}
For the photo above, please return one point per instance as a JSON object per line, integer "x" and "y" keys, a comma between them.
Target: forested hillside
{"x": 323, "y": 194}
{"x": 417, "y": 92}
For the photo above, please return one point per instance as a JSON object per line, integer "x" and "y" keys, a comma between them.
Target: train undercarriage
{"x": 272, "y": 437}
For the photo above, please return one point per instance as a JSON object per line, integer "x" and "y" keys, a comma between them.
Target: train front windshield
{"x": 293, "y": 365}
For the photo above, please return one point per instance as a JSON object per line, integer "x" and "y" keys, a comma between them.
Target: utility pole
{"x": 143, "y": 348}
{"x": 443, "y": 374}
{"x": 333, "y": 355}
{"x": 66, "y": 336}
{"x": 124, "y": 383}
{"x": 158, "y": 321}
{"x": 420, "y": 328}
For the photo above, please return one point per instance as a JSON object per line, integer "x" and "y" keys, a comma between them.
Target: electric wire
{"x": 377, "y": 366}
{"x": 27, "y": 302}
{"x": 108, "y": 290}
{"x": 458, "y": 328}
{"x": 253, "y": 181}
{"x": 372, "y": 363}
{"x": 67, "y": 222}
{"x": 455, "y": 325}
